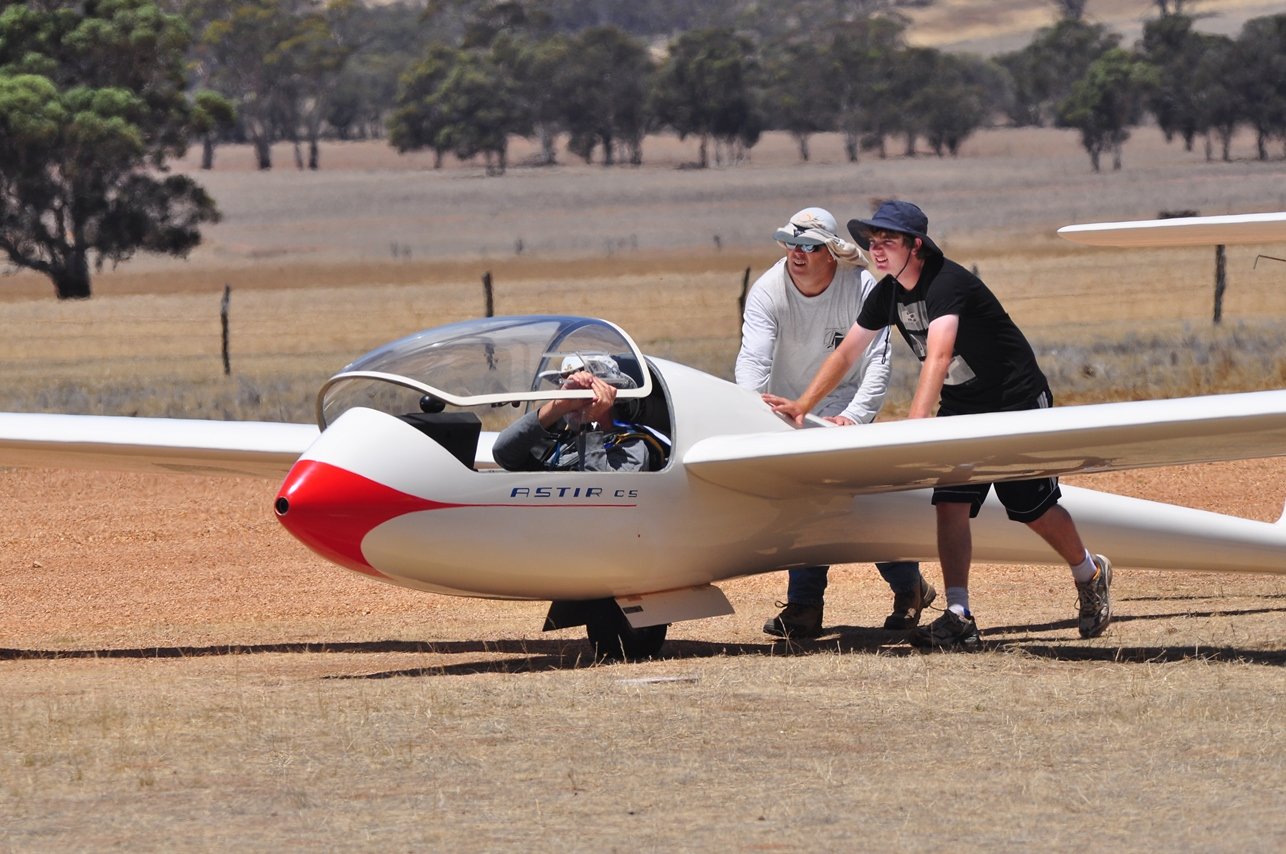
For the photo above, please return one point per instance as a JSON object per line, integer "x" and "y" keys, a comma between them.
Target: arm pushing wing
{"x": 891, "y": 456}
{"x": 238, "y": 448}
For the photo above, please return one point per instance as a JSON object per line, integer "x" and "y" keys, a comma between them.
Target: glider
{"x": 396, "y": 479}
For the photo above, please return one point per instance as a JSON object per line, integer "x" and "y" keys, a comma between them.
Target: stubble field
{"x": 176, "y": 672}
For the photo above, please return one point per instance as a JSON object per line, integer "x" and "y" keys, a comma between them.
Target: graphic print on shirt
{"x": 914, "y": 319}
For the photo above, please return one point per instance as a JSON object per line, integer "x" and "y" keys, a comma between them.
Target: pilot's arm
{"x": 523, "y": 444}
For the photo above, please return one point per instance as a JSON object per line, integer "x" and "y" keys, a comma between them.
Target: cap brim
{"x": 861, "y": 231}
{"x": 783, "y": 235}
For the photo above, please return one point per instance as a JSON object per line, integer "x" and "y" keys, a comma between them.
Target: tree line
{"x": 96, "y": 95}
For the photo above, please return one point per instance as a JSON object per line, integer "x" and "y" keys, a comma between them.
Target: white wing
{"x": 1182, "y": 231}
{"x": 241, "y": 448}
{"x": 896, "y": 455}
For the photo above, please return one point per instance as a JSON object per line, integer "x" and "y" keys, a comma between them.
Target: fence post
{"x": 1221, "y": 279}
{"x": 223, "y": 316}
{"x": 741, "y": 301}
{"x": 486, "y": 289}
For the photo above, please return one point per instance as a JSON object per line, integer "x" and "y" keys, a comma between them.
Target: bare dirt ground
{"x": 177, "y": 673}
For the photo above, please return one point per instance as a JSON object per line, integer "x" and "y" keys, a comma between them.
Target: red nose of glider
{"x": 331, "y": 510}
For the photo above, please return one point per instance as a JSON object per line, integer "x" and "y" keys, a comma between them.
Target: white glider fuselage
{"x": 376, "y": 495}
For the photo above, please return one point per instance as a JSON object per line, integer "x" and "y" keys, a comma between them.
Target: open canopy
{"x": 488, "y": 361}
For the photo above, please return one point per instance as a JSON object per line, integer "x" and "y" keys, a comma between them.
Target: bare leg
{"x": 955, "y": 543}
{"x": 1056, "y": 528}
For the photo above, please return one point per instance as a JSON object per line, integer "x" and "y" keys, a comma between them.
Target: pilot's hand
{"x": 841, "y": 420}
{"x": 786, "y": 407}
{"x": 600, "y": 408}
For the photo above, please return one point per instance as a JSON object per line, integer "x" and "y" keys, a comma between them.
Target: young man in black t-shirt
{"x": 973, "y": 359}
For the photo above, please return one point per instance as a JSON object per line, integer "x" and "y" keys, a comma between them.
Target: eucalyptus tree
{"x": 1261, "y": 78}
{"x": 860, "y": 55}
{"x": 418, "y": 120}
{"x": 92, "y": 106}
{"x": 1175, "y": 49}
{"x": 459, "y": 101}
{"x": 1107, "y": 102}
{"x": 705, "y": 88}
{"x": 1045, "y": 71}
{"x": 801, "y": 96}
{"x": 602, "y": 87}
{"x": 277, "y": 61}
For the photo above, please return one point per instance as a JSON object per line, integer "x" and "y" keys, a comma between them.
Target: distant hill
{"x": 995, "y": 26}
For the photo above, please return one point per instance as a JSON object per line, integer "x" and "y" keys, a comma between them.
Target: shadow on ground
{"x": 529, "y": 655}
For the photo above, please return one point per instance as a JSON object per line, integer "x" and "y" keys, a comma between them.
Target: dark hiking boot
{"x": 796, "y": 621}
{"x": 907, "y": 607}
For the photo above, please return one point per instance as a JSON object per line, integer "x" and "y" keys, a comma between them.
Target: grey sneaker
{"x": 796, "y": 621}
{"x": 949, "y": 632}
{"x": 1095, "y": 600}
{"x": 907, "y": 607}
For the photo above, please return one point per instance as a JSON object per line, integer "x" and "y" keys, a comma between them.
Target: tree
{"x": 211, "y": 114}
{"x": 386, "y": 39}
{"x": 1107, "y": 102}
{"x": 462, "y": 102}
{"x": 481, "y": 110}
{"x": 92, "y": 105}
{"x": 418, "y": 120}
{"x": 602, "y": 90}
{"x": 1261, "y": 78}
{"x": 313, "y": 57}
{"x": 538, "y": 68}
{"x": 860, "y": 53}
{"x": 1045, "y": 70}
{"x": 1219, "y": 104}
{"x": 800, "y": 96}
{"x": 914, "y": 73}
{"x": 1174, "y": 49}
{"x": 277, "y": 60}
{"x": 957, "y": 103}
{"x": 703, "y": 89}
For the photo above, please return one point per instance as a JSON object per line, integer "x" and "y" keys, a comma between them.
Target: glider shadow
{"x": 543, "y": 655}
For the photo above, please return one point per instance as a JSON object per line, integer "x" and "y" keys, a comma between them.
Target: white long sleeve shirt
{"x": 785, "y": 337}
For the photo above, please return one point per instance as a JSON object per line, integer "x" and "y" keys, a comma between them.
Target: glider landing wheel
{"x": 614, "y": 639}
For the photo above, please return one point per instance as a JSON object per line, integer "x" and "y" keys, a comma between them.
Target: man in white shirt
{"x": 796, "y": 314}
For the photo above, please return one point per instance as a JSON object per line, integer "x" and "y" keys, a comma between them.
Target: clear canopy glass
{"x": 488, "y": 361}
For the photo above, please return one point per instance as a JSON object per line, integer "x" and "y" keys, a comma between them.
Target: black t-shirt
{"x": 992, "y": 368}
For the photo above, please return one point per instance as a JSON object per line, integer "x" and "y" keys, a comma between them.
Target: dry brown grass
{"x": 315, "y": 281}
{"x": 177, "y": 673}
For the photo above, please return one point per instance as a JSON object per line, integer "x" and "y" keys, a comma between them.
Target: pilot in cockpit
{"x": 581, "y": 434}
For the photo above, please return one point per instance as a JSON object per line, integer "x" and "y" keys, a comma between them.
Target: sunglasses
{"x": 804, "y": 247}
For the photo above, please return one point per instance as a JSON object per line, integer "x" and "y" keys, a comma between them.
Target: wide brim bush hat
{"x": 817, "y": 227}
{"x": 894, "y": 215}
{"x": 599, "y": 364}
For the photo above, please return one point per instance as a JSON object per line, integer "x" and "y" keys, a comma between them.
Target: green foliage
{"x": 704, "y": 89}
{"x": 1260, "y": 75}
{"x": 600, "y": 89}
{"x": 92, "y": 104}
{"x": 462, "y": 102}
{"x": 1107, "y": 101}
{"x": 1045, "y": 71}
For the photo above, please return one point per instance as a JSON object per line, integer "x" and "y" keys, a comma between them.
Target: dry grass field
{"x": 177, "y": 673}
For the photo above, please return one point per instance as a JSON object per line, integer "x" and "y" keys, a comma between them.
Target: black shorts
{"x": 1024, "y": 500}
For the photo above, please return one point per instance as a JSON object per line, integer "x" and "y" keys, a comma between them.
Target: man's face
{"x": 889, "y": 251}
{"x": 817, "y": 265}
